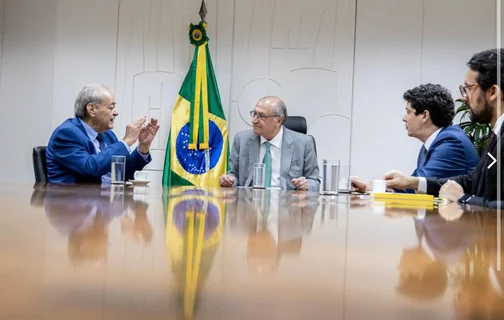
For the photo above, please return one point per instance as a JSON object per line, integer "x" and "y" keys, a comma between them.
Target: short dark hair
{"x": 434, "y": 98}
{"x": 485, "y": 63}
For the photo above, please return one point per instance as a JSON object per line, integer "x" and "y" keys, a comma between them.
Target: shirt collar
{"x": 431, "y": 139}
{"x": 277, "y": 140}
{"x": 498, "y": 125}
{"x": 91, "y": 133}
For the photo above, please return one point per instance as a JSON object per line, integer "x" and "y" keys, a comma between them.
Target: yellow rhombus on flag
{"x": 197, "y": 149}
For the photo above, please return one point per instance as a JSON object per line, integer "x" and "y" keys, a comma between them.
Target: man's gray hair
{"x": 90, "y": 93}
{"x": 280, "y": 109}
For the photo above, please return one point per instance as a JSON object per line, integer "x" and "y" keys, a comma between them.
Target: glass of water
{"x": 118, "y": 170}
{"x": 330, "y": 177}
{"x": 259, "y": 176}
{"x": 344, "y": 185}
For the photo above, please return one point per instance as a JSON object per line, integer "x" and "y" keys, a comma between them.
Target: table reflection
{"x": 274, "y": 221}
{"x": 83, "y": 215}
{"x": 194, "y": 228}
{"x": 280, "y": 254}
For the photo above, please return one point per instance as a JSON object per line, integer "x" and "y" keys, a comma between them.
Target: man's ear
{"x": 426, "y": 115}
{"x": 91, "y": 110}
{"x": 494, "y": 93}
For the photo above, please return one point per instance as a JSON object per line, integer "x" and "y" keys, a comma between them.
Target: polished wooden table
{"x": 105, "y": 252}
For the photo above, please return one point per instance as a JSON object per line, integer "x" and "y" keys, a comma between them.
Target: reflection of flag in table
{"x": 197, "y": 149}
{"x": 194, "y": 227}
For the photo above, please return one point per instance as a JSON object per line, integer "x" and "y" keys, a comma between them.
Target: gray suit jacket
{"x": 298, "y": 159}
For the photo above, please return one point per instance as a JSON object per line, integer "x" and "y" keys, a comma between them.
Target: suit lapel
{"x": 286, "y": 153}
{"x": 79, "y": 125}
{"x": 90, "y": 145}
{"x": 253, "y": 157}
{"x": 482, "y": 170}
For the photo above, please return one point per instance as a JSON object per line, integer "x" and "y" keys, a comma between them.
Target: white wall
{"x": 399, "y": 45}
{"x": 299, "y": 49}
{"x": 26, "y": 82}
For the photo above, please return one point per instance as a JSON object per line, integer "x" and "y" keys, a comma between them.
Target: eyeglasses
{"x": 463, "y": 89}
{"x": 262, "y": 116}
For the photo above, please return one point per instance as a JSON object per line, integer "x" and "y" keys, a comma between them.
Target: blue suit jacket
{"x": 450, "y": 154}
{"x": 72, "y": 158}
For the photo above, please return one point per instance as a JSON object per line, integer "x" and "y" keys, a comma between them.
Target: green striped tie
{"x": 267, "y": 165}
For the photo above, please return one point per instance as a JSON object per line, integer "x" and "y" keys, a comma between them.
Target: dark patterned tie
{"x": 101, "y": 140}
{"x": 422, "y": 156}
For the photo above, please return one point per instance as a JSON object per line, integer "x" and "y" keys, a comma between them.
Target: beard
{"x": 483, "y": 116}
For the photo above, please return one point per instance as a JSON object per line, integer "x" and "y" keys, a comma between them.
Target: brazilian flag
{"x": 197, "y": 149}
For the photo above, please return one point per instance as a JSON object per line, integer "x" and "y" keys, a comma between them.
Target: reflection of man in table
{"x": 83, "y": 215}
{"x": 138, "y": 227}
{"x": 423, "y": 268}
{"x": 480, "y": 291}
{"x": 275, "y": 222}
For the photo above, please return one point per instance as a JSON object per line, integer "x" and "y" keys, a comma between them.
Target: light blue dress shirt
{"x": 92, "y": 134}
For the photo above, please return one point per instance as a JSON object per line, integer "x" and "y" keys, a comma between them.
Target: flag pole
{"x": 203, "y": 11}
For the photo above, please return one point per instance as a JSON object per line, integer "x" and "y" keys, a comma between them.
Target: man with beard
{"x": 483, "y": 94}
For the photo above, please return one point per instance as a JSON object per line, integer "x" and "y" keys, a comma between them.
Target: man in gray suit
{"x": 289, "y": 157}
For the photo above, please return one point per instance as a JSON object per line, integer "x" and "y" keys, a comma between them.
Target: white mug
{"x": 140, "y": 175}
{"x": 379, "y": 186}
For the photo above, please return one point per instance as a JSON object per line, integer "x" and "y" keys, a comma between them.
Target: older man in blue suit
{"x": 446, "y": 149}
{"x": 81, "y": 148}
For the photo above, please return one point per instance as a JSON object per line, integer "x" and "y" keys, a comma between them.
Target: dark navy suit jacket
{"x": 450, "y": 154}
{"x": 72, "y": 157}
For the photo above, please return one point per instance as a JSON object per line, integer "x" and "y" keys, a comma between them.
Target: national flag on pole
{"x": 197, "y": 149}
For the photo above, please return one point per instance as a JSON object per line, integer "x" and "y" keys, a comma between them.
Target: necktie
{"x": 422, "y": 156}
{"x": 267, "y": 165}
{"x": 101, "y": 141}
{"x": 492, "y": 141}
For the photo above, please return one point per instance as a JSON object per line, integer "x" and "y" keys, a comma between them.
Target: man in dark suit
{"x": 446, "y": 150}
{"x": 483, "y": 95}
{"x": 81, "y": 148}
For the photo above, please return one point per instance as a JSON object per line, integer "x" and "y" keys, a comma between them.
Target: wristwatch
{"x": 465, "y": 198}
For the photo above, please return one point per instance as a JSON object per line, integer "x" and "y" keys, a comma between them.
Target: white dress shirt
{"x": 431, "y": 138}
{"x": 498, "y": 125}
{"x": 276, "y": 154}
{"x": 422, "y": 181}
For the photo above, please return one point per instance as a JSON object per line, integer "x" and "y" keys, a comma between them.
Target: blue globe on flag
{"x": 196, "y": 161}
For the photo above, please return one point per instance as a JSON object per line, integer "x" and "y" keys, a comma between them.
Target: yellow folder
{"x": 404, "y": 196}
